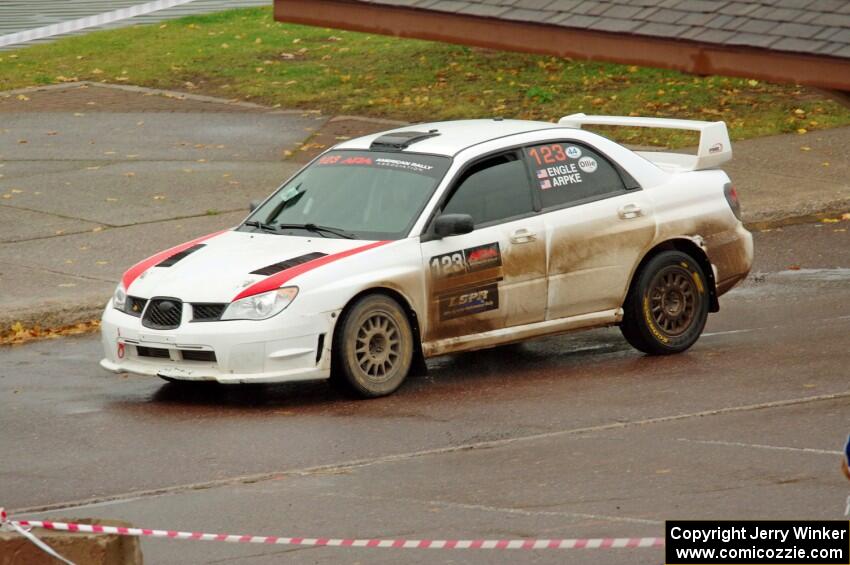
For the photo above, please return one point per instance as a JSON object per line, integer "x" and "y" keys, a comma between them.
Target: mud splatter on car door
{"x": 494, "y": 276}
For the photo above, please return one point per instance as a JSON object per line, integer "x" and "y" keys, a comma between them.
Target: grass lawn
{"x": 245, "y": 54}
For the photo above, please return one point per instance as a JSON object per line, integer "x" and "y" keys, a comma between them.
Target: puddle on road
{"x": 819, "y": 275}
{"x": 765, "y": 284}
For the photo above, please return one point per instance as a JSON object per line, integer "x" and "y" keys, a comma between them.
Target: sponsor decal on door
{"x": 469, "y": 301}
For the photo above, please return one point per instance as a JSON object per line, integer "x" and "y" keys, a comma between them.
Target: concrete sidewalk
{"x": 96, "y": 177}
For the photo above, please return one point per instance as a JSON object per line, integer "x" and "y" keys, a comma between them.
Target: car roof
{"x": 454, "y": 136}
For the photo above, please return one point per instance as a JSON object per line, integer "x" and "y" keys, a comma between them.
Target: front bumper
{"x": 285, "y": 348}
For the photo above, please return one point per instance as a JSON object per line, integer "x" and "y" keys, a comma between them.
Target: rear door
{"x": 598, "y": 223}
{"x": 495, "y": 276}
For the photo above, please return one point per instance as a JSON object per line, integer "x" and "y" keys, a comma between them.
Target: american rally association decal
{"x": 465, "y": 261}
{"x": 469, "y": 301}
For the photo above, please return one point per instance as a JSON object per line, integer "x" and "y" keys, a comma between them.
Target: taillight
{"x": 732, "y": 198}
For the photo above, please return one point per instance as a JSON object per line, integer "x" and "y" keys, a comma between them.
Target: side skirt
{"x": 521, "y": 333}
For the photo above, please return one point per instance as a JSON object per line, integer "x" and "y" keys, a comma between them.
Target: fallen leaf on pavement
{"x": 794, "y": 267}
{"x": 19, "y": 334}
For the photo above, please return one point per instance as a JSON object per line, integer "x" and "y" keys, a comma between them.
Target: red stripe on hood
{"x": 142, "y": 266}
{"x": 277, "y": 280}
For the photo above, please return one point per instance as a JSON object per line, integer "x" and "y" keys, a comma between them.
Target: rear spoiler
{"x": 714, "y": 146}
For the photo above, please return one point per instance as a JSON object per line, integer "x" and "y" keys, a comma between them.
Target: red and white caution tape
{"x": 586, "y": 543}
{"x": 88, "y": 21}
{"x": 8, "y": 525}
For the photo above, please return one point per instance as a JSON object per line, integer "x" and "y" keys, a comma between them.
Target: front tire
{"x": 373, "y": 347}
{"x": 667, "y": 306}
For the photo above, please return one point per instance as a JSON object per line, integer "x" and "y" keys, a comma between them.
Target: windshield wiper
{"x": 321, "y": 230}
{"x": 260, "y": 225}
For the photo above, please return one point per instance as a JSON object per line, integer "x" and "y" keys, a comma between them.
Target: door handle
{"x": 629, "y": 211}
{"x": 523, "y": 235}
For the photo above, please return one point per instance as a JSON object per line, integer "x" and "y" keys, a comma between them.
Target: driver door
{"x": 495, "y": 276}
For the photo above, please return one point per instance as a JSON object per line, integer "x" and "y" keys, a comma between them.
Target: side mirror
{"x": 453, "y": 224}
{"x": 254, "y": 205}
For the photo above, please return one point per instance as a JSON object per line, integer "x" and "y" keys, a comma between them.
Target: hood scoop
{"x": 177, "y": 257}
{"x": 269, "y": 270}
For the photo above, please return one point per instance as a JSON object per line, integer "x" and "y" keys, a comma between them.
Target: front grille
{"x": 207, "y": 312}
{"x": 163, "y": 314}
{"x": 135, "y": 305}
{"x": 156, "y": 352}
{"x": 192, "y": 355}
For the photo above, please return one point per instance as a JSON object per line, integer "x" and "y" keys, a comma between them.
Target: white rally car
{"x": 439, "y": 238}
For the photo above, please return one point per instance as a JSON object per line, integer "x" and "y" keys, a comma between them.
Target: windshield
{"x": 355, "y": 194}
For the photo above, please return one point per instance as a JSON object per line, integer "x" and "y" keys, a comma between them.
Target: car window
{"x": 492, "y": 190}
{"x": 369, "y": 194}
{"x": 569, "y": 172}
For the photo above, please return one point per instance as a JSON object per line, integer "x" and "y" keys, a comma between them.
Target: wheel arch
{"x": 692, "y": 248}
{"x": 418, "y": 363}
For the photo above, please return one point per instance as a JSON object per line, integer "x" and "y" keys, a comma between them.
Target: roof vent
{"x": 400, "y": 140}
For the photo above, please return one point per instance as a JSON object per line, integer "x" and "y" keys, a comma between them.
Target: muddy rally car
{"x": 440, "y": 238}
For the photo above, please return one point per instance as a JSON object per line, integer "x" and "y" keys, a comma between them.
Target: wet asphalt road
{"x": 570, "y": 436}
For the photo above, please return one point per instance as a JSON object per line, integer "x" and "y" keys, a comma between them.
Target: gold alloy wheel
{"x": 378, "y": 345}
{"x": 673, "y": 300}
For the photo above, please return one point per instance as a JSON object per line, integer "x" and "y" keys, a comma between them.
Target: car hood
{"x": 231, "y": 264}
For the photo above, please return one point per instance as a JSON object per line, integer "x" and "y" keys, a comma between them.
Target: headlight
{"x": 119, "y": 298}
{"x": 261, "y": 306}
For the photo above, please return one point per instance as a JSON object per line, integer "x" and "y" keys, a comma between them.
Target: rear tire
{"x": 373, "y": 347}
{"x": 667, "y": 306}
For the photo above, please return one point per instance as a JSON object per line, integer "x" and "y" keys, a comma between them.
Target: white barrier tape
{"x": 88, "y": 21}
{"x": 584, "y": 543}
